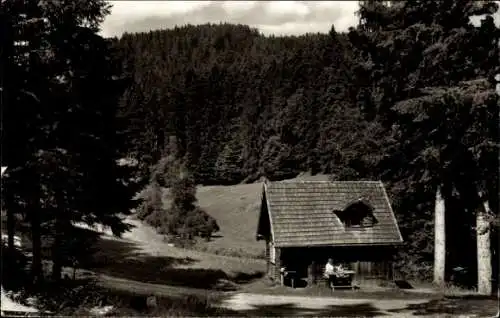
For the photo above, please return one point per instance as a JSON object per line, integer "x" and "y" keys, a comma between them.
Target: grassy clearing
{"x": 143, "y": 262}
{"x": 143, "y": 240}
{"x": 236, "y": 209}
{"x": 142, "y": 244}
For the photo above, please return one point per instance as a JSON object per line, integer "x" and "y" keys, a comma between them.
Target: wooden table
{"x": 348, "y": 277}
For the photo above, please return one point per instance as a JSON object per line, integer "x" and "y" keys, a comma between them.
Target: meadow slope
{"x": 236, "y": 209}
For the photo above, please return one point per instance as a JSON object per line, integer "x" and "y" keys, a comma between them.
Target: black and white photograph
{"x": 250, "y": 158}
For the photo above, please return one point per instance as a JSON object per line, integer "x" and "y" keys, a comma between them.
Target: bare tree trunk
{"x": 484, "y": 270}
{"x": 439, "y": 240}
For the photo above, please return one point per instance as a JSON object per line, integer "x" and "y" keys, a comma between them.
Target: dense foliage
{"x": 427, "y": 74}
{"x": 183, "y": 221}
{"x": 239, "y": 104}
{"x": 59, "y": 95}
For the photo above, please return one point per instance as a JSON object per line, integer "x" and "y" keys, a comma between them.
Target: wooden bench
{"x": 341, "y": 282}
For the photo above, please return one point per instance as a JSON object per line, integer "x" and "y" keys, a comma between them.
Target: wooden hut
{"x": 307, "y": 222}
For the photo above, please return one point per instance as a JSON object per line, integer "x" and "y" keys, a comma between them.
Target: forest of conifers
{"x": 407, "y": 97}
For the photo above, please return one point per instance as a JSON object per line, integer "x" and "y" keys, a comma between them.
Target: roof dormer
{"x": 357, "y": 214}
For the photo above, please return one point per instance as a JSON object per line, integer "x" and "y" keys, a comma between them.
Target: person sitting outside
{"x": 329, "y": 272}
{"x": 339, "y": 271}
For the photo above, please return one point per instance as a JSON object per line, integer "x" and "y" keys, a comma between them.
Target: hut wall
{"x": 371, "y": 264}
{"x": 268, "y": 261}
{"x": 275, "y": 268}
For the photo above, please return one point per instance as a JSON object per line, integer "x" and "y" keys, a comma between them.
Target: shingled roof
{"x": 304, "y": 214}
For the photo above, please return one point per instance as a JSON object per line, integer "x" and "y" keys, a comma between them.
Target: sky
{"x": 270, "y": 17}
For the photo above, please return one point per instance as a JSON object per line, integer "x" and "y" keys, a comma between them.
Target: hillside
{"x": 141, "y": 255}
{"x": 236, "y": 209}
{"x": 236, "y": 105}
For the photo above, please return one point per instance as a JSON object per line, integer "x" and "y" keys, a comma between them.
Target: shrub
{"x": 183, "y": 220}
{"x": 151, "y": 205}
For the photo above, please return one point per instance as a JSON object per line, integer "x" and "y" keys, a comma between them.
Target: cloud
{"x": 270, "y": 17}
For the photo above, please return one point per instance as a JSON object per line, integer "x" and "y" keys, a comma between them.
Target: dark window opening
{"x": 357, "y": 215}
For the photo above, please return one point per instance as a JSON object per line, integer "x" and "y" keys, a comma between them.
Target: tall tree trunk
{"x": 11, "y": 223}
{"x": 36, "y": 239}
{"x": 439, "y": 239}
{"x": 56, "y": 262}
{"x": 484, "y": 270}
{"x": 57, "y": 252}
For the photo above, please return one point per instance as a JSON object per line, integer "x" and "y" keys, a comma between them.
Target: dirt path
{"x": 249, "y": 303}
{"x": 258, "y": 304}
{"x": 141, "y": 261}
{"x": 152, "y": 243}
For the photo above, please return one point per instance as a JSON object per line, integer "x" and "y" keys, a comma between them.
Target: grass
{"x": 236, "y": 209}
{"x": 143, "y": 241}
{"x": 227, "y": 251}
{"x": 123, "y": 275}
{"x": 452, "y": 290}
{"x": 126, "y": 260}
{"x": 78, "y": 297}
{"x": 367, "y": 290}
{"x": 268, "y": 288}
{"x": 141, "y": 265}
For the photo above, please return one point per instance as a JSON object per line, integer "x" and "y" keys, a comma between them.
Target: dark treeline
{"x": 240, "y": 105}
{"x": 59, "y": 96}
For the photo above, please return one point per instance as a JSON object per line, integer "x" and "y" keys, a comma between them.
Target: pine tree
{"x": 229, "y": 163}
{"x": 404, "y": 50}
{"x": 64, "y": 169}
